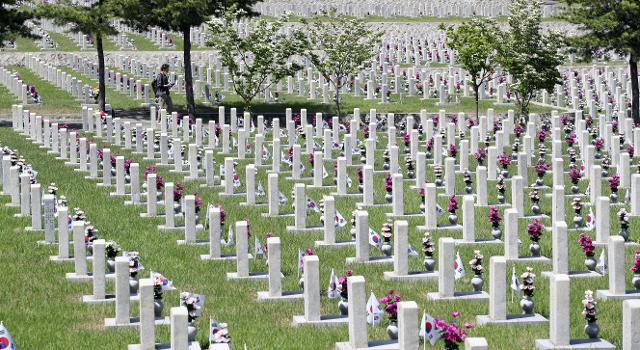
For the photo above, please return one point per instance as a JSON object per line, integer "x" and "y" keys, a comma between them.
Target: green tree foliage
{"x": 257, "y": 60}
{"x": 12, "y": 20}
{"x": 475, "y": 42}
{"x": 91, "y": 18}
{"x": 606, "y": 26}
{"x": 530, "y": 56}
{"x": 179, "y": 16}
{"x": 338, "y": 48}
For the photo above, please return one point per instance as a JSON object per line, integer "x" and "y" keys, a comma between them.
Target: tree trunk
{"x": 188, "y": 76}
{"x": 102, "y": 94}
{"x": 635, "y": 99}
{"x": 476, "y": 89}
{"x": 338, "y": 86}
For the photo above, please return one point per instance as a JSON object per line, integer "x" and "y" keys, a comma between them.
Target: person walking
{"x": 162, "y": 87}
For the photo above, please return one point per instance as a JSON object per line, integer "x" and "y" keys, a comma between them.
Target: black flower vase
{"x": 591, "y": 329}
{"x": 343, "y": 306}
{"x": 392, "y": 330}
{"x": 501, "y": 197}
{"x": 526, "y": 304}
{"x": 614, "y": 195}
{"x": 429, "y": 263}
{"x": 477, "y": 282}
{"x": 453, "y": 218}
{"x": 495, "y": 231}
{"x": 590, "y": 262}
{"x": 540, "y": 180}
{"x": 535, "y": 206}
{"x": 577, "y": 219}
{"x": 158, "y": 306}
{"x": 388, "y": 196}
{"x": 574, "y": 188}
{"x": 624, "y": 231}
{"x": 534, "y": 247}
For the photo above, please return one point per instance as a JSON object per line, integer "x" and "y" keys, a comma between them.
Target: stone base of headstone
{"x": 43, "y": 242}
{"x": 57, "y": 259}
{"x": 235, "y": 194}
{"x": 286, "y": 296}
{"x": 374, "y": 205}
{"x": 337, "y": 243}
{"x": 258, "y": 204}
{"x": 11, "y": 205}
{"x": 109, "y": 299}
{"x": 18, "y": 215}
{"x": 336, "y": 194}
{"x": 281, "y": 215}
{"x": 197, "y": 242}
{"x": 301, "y": 179}
{"x": 532, "y": 259}
{"x": 135, "y": 322}
{"x": 605, "y": 294}
{"x": 499, "y": 205}
{"x": 100, "y": 184}
{"x": 320, "y": 187}
{"x": 174, "y": 171}
{"x": 73, "y": 277}
{"x": 422, "y": 228}
{"x": 372, "y": 260}
{"x": 222, "y": 257}
{"x": 373, "y": 345}
{"x": 131, "y": 203}
{"x": 78, "y": 170}
{"x": 31, "y": 229}
{"x": 170, "y": 229}
{"x": 71, "y": 164}
{"x": 405, "y": 215}
{"x": 513, "y": 320}
{"x": 435, "y": 296}
{"x": 575, "y": 344}
{"x": 325, "y": 321}
{"x": 192, "y": 346}
{"x": 190, "y": 178}
{"x": 251, "y": 276}
{"x": 306, "y": 229}
{"x": 477, "y": 242}
{"x": 411, "y": 277}
{"x": 575, "y": 274}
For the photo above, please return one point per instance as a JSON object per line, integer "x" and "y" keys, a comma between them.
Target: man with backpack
{"x": 161, "y": 87}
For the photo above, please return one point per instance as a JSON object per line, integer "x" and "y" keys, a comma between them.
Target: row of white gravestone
{"x": 122, "y": 297}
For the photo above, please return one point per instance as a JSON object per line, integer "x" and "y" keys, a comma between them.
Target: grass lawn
{"x": 64, "y": 42}
{"x": 54, "y": 99}
{"x": 28, "y": 313}
{"x": 142, "y": 43}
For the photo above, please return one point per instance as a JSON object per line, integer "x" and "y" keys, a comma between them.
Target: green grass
{"x": 142, "y": 43}
{"x": 26, "y": 45}
{"x": 408, "y": 105}
{"x": 6, "y": 98}
{"x": 53, "y": 99}
{"x": 29, "y": 308}
{"x": 63, "y": 42}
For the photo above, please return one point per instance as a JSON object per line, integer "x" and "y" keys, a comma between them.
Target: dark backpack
{"x": 155, "y": 85}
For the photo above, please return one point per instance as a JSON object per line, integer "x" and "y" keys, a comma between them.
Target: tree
{"x": 337, "y": 48}
{"x": 531, "y": 57}
{"x": 475, "y": 42}
{"x": 255, "y": 61}
{"x": 606, "y": 26}
{"x": 179, "y": 16}
{"x": 14, "y": 18}
{"x": 91, "y": 18}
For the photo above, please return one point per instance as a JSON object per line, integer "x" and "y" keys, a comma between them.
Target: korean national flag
{"x": 6, "y": 342}
{"x": 374, "y": 238}
{"x": 428, "y": 329}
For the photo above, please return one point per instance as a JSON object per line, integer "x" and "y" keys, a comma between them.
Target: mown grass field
{"x": 56, "y": 101}
{"x": 43, "y": 310}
